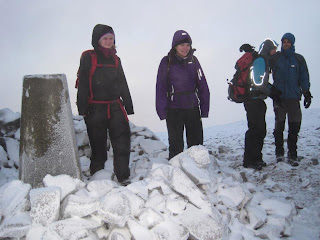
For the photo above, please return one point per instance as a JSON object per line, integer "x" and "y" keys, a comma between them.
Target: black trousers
{"x": 254, "y": 138}
{"x": 290, "y": 108}
{"x": 119, "y": 131}
{"x": 177, "y": 120}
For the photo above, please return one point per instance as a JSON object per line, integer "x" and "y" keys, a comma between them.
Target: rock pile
{"x": 194, "y": 196}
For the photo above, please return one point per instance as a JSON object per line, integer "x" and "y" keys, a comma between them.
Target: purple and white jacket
{"x": 181, "y": 85}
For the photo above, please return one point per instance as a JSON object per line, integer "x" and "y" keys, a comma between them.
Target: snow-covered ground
{"x": 203, "y": 193}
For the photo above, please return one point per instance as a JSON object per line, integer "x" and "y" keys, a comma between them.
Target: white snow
{"x": 203, "y": 193}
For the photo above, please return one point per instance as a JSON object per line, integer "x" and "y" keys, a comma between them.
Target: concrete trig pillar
{"x": 47, "y": 137}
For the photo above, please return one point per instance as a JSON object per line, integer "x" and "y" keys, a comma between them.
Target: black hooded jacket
{"x": 108, "y": 83}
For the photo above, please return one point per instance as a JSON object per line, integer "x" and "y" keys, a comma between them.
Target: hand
{"x": 307, "y": 99}
{"x": 275, "y": 94}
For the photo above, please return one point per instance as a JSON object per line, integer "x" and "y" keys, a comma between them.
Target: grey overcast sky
{"x": 48, "y": 37}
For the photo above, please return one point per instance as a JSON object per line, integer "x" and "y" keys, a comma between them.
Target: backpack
{"x": 94, "y": 65}
{"x": 240, "y": 84}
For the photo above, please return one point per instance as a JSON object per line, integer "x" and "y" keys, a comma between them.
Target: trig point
{"x": 47, "y": 137}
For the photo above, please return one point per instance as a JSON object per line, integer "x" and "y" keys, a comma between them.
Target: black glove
{"x": 307, "y": 99}
{"x": 246, "y": 47}
{"x": 275, "y": 94}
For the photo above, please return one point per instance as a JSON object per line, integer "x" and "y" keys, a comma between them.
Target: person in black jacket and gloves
{"x": 104, "y": 100}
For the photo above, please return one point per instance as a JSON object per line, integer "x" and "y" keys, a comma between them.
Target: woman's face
{"x": 107, "y": 41}
{"x": 273, "y": 51}
{"x": 183, "y": 49}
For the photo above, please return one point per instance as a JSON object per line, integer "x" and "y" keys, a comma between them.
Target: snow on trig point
{"x": 47, "y": 140}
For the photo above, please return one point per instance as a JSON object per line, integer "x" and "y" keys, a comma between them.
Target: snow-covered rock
{"x": 80, "y": 206}
{"x": 45, "y": 205}
{"x": 202, "y": 225}
{"x": 12, "y": 196}
{"x": 66, "y": 183}
{"x": 115, "y": 209}
{"x": 152, "y": 146}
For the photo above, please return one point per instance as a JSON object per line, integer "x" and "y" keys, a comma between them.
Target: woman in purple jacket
{"x": 181, "y": 89}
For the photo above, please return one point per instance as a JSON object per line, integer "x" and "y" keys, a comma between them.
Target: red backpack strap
{"x": 116, "y": 61}
{"x": 93, "y": 55}
{"x": 87, "y": 51}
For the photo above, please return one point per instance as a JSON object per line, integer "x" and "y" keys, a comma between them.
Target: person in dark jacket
{"x": 104, "y": 100}
{"x": 256, "y": 108}
{"x": 291, "y": 76}
{"x": 182, "y": 94}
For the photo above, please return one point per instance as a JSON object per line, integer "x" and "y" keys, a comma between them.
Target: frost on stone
{"x": 45, "y": 205}
{"x": 7, "y": 115}
{"x": 11, "y": 196}
{"x": 36, "y": 233}
{"x": 147, "y": 133}
{"x": 235, "y": 193}
{"x": 276, "y": 207}
{"x": 200, "y": 155}
{"x": 82, "y": 139}
{"x": 257, "y": 216}
{"x": 139, "y": 188}
{"x": 157, "y": 202}
{"x": 115, "y": 209}
{"x": 70, "y": 229}
{"x": 13, "y": 150}
{"x": 136, "y": 141}
{"x": 101, "y": 187}
{"x": 85, "y": 163}
{"x": 152, "y": 146}
{"x": 176, "y": 204}
{"x": 181, "y": 183}
{"x": 160, "y": 183}
{"x": 15, "y": 226}
{"x": 135, "y": 129}
{"x": 119, "y": 234}
{"x": 3, "y": 157}
{"x": 138, "y": 231}
{"x": 80, "y": 126}
{"x": 136, "y": 203}
{"x": 79, "y": 206}
{"x": 67, "y": 184}
{"x": 149, "y": 218}
{"x": 195, "y": 173}
{"x": 168, "y": 230}
{"x": 202, "y": 225}
{"x": 160, "y": 170}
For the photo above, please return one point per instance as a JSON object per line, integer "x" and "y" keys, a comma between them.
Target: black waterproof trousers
{"x": 98, "y": 122}
{"x": 254, "y": 138}
{"x": 293, "y": 110}
{"x": 177, "y": 120}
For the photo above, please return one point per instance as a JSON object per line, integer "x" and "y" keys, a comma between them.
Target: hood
{"x": 290, "y": 37}
{"x": 267, "y": 46}
{"x": 291, "y": 50}
{"x": 179, "y": 37}
{"x": 98, "y": 31}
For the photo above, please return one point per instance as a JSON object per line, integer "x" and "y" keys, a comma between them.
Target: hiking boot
{"x": 262, "y": 163}
{"x": 125, "y": 182}
{"x": 293, "y": 160}
{"x": 253, "y": 166}
{"x": 280, "y": 158}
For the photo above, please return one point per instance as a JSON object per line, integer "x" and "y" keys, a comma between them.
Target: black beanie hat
{"x": 98, "y": 31}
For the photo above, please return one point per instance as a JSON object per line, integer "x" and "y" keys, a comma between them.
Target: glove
{"x": 275, "y": 94}
{"x": 246, "y": 47}
{"x": 307, "y": 99}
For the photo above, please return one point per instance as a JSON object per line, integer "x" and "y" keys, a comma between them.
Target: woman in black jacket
{"x": 104, "y": 100}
